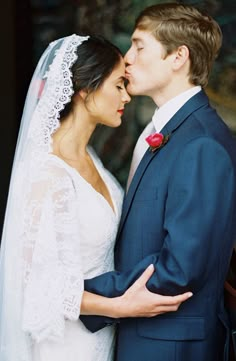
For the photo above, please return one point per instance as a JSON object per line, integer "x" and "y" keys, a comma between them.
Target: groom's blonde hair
{"x": 175, "y": 25}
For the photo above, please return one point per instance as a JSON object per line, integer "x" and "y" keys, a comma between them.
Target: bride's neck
{"x": 71, "y": 139}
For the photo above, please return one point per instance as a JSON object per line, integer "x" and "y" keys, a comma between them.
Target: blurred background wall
{"x": 29, "y": 25}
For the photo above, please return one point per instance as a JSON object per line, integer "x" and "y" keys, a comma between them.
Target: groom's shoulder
{"x": 206, "y": 122}
{"x": 205, "y": 126}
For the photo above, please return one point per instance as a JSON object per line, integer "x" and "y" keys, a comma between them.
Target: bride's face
{"x": 106, "y": 105}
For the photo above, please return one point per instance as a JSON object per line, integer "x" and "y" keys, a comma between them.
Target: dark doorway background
{"x": 16, "y": 69}
{"x": 27, "y": 26}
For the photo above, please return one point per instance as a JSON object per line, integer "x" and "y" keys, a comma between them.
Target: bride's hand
{"x": 138, "y": 301}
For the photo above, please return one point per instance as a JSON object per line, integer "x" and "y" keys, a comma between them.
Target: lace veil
{"x": 50, "y": 90}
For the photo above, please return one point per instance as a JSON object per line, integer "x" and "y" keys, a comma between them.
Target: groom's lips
{"x": 127, "y": 74}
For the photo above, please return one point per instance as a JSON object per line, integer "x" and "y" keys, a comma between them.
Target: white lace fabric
{"x": 72, "y": 244}
{"x": 53, "y": 277}
{"x": 57, "y": 231}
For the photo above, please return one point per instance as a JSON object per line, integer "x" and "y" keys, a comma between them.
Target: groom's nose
{"x": 129, "y": 57}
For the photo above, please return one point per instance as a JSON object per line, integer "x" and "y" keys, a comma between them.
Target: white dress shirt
{"x": 160, "y": 118}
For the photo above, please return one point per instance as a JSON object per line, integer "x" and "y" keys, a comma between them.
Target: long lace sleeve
{"x": 53, "y": 279}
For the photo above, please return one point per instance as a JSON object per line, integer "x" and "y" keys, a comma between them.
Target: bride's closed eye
{"x": 123, "y": 85}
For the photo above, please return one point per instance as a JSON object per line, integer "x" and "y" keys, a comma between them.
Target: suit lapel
{"x": 196, "y": 102}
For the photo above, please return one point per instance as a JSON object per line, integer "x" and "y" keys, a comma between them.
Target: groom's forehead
{"x": 141, "y": 36}
{"x": 137, "y": 35}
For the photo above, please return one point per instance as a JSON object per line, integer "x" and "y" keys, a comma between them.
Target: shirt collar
{"x": 163, "y": 114}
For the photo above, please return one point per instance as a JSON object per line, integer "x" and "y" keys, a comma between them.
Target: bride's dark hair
{"x": 97, "y": 58}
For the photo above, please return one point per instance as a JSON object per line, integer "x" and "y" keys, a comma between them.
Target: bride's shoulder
{"x": 53, "y": 165}
{"x": 51, "y": 172}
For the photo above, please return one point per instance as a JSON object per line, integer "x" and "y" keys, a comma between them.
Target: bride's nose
{"x": 125, "y": 97}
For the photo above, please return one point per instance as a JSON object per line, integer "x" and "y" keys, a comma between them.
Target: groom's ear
{"x": 181, "y": 57}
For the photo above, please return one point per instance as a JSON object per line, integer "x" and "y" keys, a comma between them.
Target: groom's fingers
{"x": 142, "y": 280}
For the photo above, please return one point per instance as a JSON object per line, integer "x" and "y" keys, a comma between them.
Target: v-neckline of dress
{"x": 102, "y": 174}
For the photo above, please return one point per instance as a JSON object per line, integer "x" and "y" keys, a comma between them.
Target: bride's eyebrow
{"x": 121, "y": 78}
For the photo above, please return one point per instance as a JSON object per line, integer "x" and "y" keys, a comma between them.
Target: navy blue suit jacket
{"x": 180, "y": 215}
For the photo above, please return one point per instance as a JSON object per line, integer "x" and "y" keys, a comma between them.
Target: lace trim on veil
{"x": 57, "y": 91}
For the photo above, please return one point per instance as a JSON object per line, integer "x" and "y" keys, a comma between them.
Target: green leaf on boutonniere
{"x": 157, "y": 141}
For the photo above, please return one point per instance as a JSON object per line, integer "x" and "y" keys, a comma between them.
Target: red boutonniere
{"x": 156, "y": 141}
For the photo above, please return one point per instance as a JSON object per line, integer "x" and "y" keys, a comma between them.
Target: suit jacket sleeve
{"x": 198, "y": 208}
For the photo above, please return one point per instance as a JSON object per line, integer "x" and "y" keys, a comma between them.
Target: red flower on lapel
{"x": 156, "y": 141}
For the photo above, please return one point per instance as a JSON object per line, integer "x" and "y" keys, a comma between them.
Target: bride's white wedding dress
{"x": 71, "y": 238}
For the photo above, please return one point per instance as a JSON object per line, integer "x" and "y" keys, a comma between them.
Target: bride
{"x": 63, "y": 211}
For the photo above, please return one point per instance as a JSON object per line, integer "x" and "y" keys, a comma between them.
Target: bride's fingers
{"x": 161, "y": 307}
{"x": 142, "y": 280}
{"x": 163, "y": 300}
{"x": 169, "y": 303}
{"x": 159, "y": 310}
{"x": 183, "y": 297}
{"x": 138, "y": 301}
{"x": 174, "y": 300}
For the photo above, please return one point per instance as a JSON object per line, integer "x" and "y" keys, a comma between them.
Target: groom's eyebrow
{"x": 136, "y": 40}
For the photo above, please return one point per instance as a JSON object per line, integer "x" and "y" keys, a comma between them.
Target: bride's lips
{"x": 121, "y": 111}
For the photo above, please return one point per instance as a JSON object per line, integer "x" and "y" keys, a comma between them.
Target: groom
{"x": 180, "y": 209}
